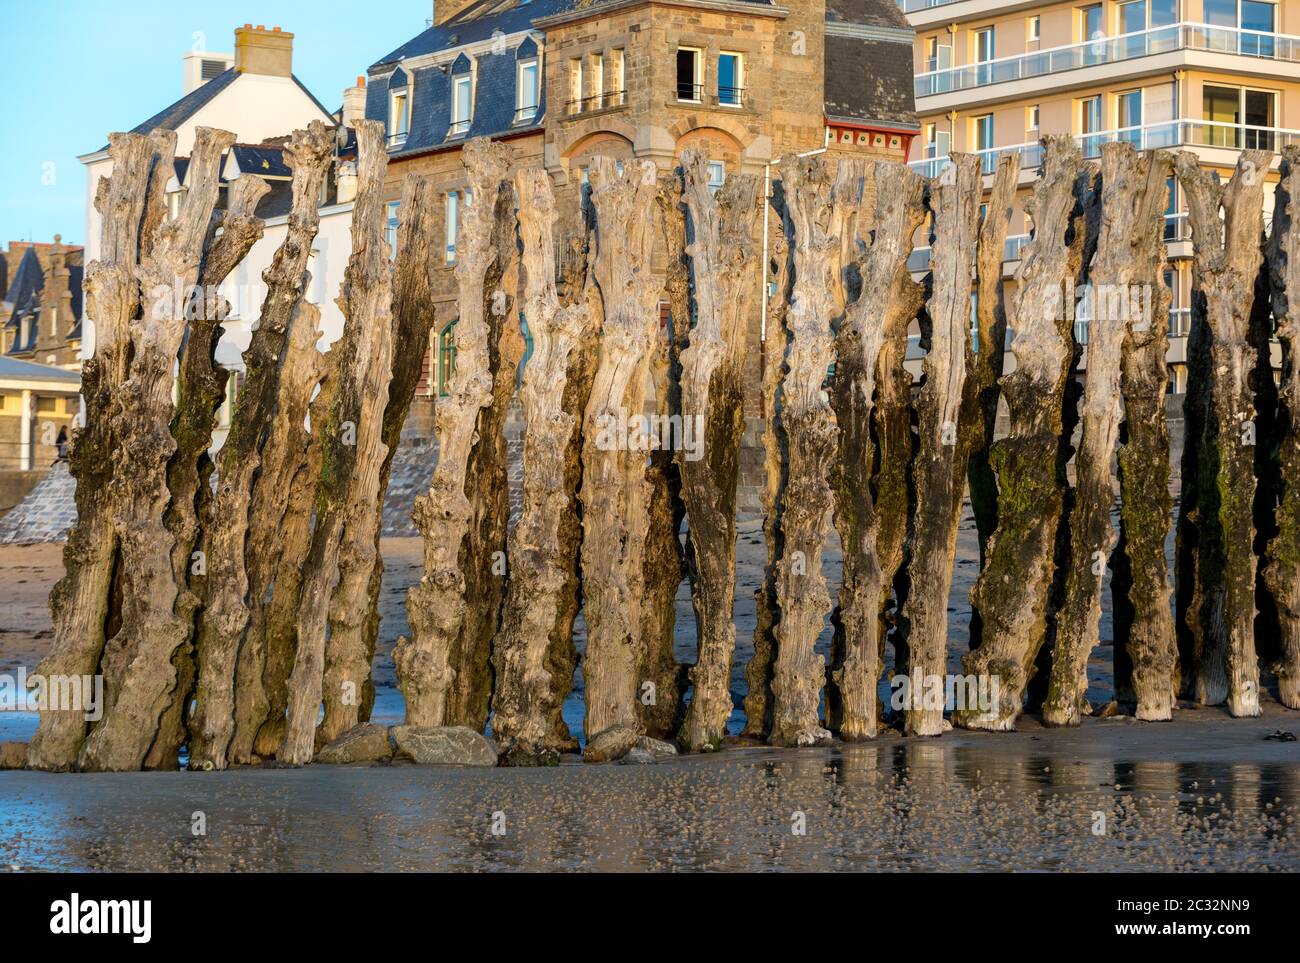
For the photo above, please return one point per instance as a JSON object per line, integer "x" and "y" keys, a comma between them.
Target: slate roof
{"x": 476, "y": 22}
{"x": 870, "y": 80}
{"x": 261, "y": 159}
{"x": 29, "y": 280}
{"x": 494, "y": 97}
{"x": 31, "y": 371}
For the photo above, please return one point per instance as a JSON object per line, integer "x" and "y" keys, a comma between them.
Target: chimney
{"x": 346, "y": 181}
{"x": 262, "y": 51}
{"x": 354, "y": 103}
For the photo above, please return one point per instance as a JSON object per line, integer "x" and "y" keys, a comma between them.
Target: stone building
{"x": 562, "y": 81}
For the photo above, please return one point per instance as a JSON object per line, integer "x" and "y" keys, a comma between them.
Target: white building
{"x": 253, "y": 94}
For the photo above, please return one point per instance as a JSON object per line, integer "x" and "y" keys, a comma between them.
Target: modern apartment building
{"x": 1210, "y": 76}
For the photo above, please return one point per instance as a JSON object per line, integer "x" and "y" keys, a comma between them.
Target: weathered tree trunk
{"x": 230, "y": 540}
{"x": 946, "y": 402}
{"x": 486, "y": 478}
{"x": 878, "y": 318}
{"x": 349, "y": 652}
{"x": 722, "y": 255}
{"x": 139, "y": 676}
{"x": 1130, "y": 243}
{"x": 615, "y": 494}
{"x": 991, "y": 332}
{"x": 79, "y": 602}
{"x": 1221, "y": 621}
{"x": 1144, "y": 625}
{"x": 200, "y": 388}
{"x": 282, "y": 459}
{"x": 528, "y": 700}
{"x": 1011, "y": 591}
{"x": 277, "y": 622}
{"x": 660, "y": 709}
{"x": 351, "y": 456}
{"x": 778, "y": 273}
{"x": 811, "y": 439}
{"x": 413, "y": 319}
{"x": 430, "y": 662}
{"x": 1282, "y": 565}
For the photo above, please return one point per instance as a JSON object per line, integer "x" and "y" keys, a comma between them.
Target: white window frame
{"x": 1033, "y": 117}
{"x": 739, "y": 89}
{"x": 697, "y": 84}
{"x": 390, "y": 227}
{"x": 1033, "y": 28}
{"x": 521, "y": 100}
{"x": 460, "y": 125}
{"x": 715, "y": 182}
{"x": 399, "y": 115}
{"x": 455, "y": 203}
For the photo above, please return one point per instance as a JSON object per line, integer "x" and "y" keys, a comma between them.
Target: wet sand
{"x": 1201, "y": 792}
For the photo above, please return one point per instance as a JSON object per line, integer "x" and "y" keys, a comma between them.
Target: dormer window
{"x": 399, "y": 116}
{"x": 526, "y": 91}
{"x": 462, "y": 104}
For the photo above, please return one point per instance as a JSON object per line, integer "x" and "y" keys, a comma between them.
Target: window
{"x": 453, "y": 224}
{"x": 616, "y": 77}
{"x": 1090, "y": 123}
{"x": 526, "y": 91}
{"x": 730, "y": 79}
{"x": 983, "y": 137}
{"x": 446, "y": 356}
{"x": 1033, "y": 29}
{"x": 938, "y": 56}
{"x": 1031, "y": 118}
{"x": 689, "y": 87}
{"x": 1090, "y": 22}
{"x": 575, "y": 85}
{"x": 717, "y": 175}
{"x": 982, "y": 54}
{"x": 462, "y": 100}
{"x": 1257, "y": 26}
{"x": 938, "y": 143}
{"x": 399, "y": 116}
{"x": 390, "y": 227}
{"x": 1238, "y": 117}
{"x": 596, "y": 82}
{"x": 175, "y": 200}
{"x": 1128, "y": 110}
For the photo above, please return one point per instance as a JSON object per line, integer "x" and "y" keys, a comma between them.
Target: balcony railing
{"x": 731, "y": 96}
{"x": 1165, "y": 134}
{"x": 1105, "y": 50}
{"x": 525, "y": 113}
{"x": 397, "y": 139}
{"x": 458, "y": 127}
{"x": 1175, "y": 226}
{"x": 691, "y": 93}
{"x": 608, "y": 98}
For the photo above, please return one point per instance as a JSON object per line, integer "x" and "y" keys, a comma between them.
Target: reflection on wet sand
{"x": 891, "y": 805}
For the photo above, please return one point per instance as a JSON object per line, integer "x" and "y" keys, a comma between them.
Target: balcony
{"x": 1109, "y": 50}
{"x": 1165, "y": 134}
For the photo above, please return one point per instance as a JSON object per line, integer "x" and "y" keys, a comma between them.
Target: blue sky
{"x": 74, "y": 70}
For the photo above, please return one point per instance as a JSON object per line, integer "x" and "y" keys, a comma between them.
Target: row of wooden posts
{"x": 223, "y": 617}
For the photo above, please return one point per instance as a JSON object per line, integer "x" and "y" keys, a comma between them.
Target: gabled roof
{"x": 171, "y": 118}
{"x": 28, "y": 282}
